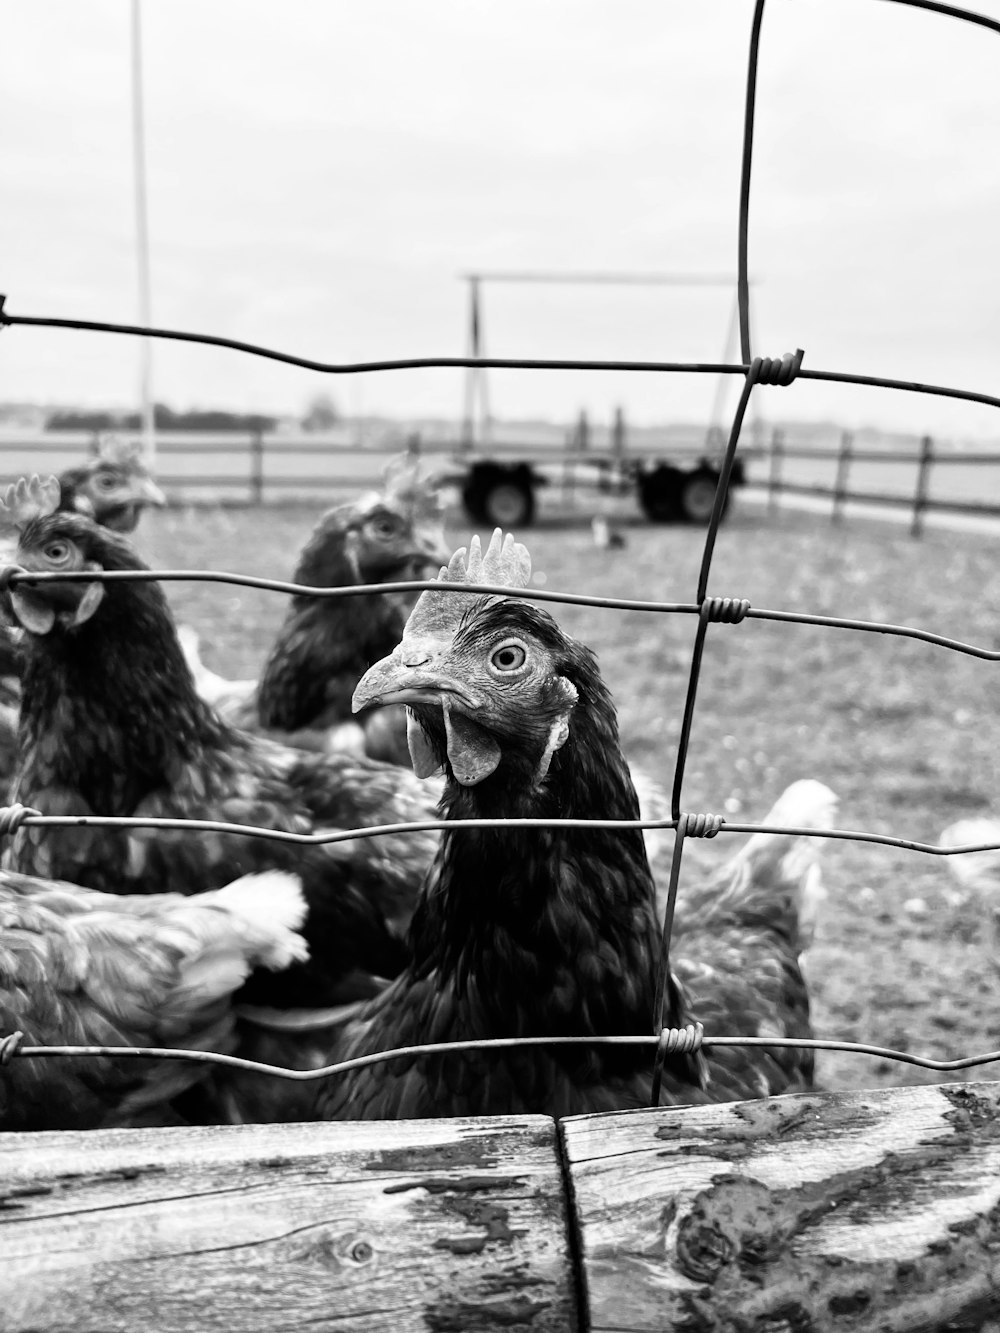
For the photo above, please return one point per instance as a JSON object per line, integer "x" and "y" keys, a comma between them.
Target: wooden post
{"x": 840, "y": 491}
{"x": 862, "y": 1210}
{"x": 569, "y": 469}
{"x": 618, "y": 435}
{"x": 826, "y": 1212}
{"x": 584, "y": 432}
{"x": 257, "y": 467}
{"x": 774, "y": 479}
{"x": 435, "y": 1224}
{"x": 413, "y": 446}
{"x": 923, "y": 485}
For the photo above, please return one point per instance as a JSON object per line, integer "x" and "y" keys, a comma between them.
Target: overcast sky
{"x": 320, "y": 173}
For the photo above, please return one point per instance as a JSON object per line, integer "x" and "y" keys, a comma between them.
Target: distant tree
{"x": 164, "y": 418}
{"x": 83, "y": 421}
{"x": 322, "y": 413}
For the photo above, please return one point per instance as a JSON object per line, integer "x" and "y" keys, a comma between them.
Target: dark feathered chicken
{"x": 113, "y": 488}
{"x": 325, "y": 645}
{"x": 530, "y": 932}
{"x": 111, "y": 724}
{"x": 83, "y": 968}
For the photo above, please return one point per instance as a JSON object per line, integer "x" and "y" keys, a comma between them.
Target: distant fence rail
{"x": 257, "y": 467}
{"x": 923, "y": 479}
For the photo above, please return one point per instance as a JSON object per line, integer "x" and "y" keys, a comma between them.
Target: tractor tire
{"x": 509, "y": 503}
{"x": 697, "y": 496}
{"x": 659, "y": 494}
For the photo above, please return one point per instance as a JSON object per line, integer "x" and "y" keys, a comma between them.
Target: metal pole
{"x": 472, "y": 372}
{"x": 774, "y": 481}
{"x": 729, "y": 349}
{"x": 843, "y": 468}
{"x": 256, "y": 467}
{"x": 142, "y": 240}
{"x": 923, "y": 485}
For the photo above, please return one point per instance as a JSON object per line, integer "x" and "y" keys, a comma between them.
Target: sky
{"x": 321, "y": 174}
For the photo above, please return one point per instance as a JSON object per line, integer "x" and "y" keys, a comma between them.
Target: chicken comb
{"x": 506, "y": 564}
{"x": 113, "y": 449}
{"x": 403, "y": 481}
{"x": 28, "y": 499}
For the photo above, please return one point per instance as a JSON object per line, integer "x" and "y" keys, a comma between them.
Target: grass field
{"x": 904, "y": 732}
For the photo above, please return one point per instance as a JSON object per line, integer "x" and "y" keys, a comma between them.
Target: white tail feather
{"x": 213, "y": 688}
{"x": 980, "y": 870}
{"x": 271, "y": 908}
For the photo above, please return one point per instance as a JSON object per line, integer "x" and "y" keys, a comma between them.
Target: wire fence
{"x": 756, "y": 371}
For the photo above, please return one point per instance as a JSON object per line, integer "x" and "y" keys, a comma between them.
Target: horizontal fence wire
{"x": 690, "y": 1038}
{"x": 13, "y": 575}
{"x": 755, "y": 370}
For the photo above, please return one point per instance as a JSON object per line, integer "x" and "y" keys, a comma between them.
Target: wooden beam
{"x": 856, "y": 1211}
{"x": 451, "y": 1226}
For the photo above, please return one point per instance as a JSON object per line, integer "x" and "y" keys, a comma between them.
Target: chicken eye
{"x": 384, "y": 528}
{"x": 508, "y": 657}
{"x": 105, "y": 483}
{"x": 57, "y": 553}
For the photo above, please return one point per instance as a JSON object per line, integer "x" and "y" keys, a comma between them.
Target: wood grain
{"x": 875, "y": 1211}
{"x": 449, "y": 1226}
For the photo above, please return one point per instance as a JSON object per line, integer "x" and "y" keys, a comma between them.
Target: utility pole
{"x": 142, "y": 240}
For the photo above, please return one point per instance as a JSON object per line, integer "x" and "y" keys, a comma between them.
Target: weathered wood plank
{"x": 450, "y": 1226}
{"x": 875, "y": 1211}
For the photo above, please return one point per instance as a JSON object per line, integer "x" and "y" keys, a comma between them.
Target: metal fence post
{"x": 774, "y": 480}
{"x": 923, "y": 485}
{"x": 840, "y": 491}
{"x": 256, "y": 467}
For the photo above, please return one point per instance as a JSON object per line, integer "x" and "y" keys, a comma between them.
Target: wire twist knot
{"x": 699, "y": 826}
{"x": 680, "y": 1041}
{"x": 13, "y": 816}
{"x": 9, "y": 1047}
{"x": 771, "y": 370}
{"x": 7, "y": 573}
{"x": 724, "y": 610}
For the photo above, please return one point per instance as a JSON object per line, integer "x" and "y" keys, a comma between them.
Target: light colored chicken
{"x": 79, "y": 967}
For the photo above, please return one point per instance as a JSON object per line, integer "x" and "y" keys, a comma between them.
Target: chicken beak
{"x": 148, "y": 493}
{"x": 429, "y": 544}
{"x": 411, "y": 675}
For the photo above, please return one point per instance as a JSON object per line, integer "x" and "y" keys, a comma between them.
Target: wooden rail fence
{"x": 860, "y": 1210}
{"x": 254, "y": 468}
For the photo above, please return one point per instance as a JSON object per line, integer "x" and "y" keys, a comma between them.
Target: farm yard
{"x": 261, "y": 1070}
{"x": 904, "y": 732}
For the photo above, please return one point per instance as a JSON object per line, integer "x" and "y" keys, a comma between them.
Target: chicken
{"x": 79, "y": 967}
{"x": 111, "y": 724}
{"x": 325, "y": 645}
{"x": 978, "y": 873}
{"x": 752, "y": 922}
{"x": 607, "y": 537}
{"x": 114, "y": 487}
{"x": 531, "y": 932}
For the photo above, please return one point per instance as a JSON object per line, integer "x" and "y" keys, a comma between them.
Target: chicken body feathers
{"x": 80, "y": 967}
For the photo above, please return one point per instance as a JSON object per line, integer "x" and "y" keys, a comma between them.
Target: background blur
{"x": 321, "y": 173}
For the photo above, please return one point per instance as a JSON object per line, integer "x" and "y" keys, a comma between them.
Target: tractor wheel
{"x": 659, "y": 494}
{"x": 509, "y": 502}
{"x": 697, "y": 495}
